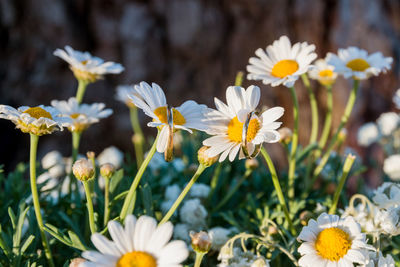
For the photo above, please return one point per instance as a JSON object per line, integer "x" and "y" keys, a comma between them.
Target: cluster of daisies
{"x": 237, "y": 129}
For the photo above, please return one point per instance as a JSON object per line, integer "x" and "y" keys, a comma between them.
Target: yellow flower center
{"x": 358, "y": 64}
{"x": 137, "y": 259}
{"x": 161, "y": 113}
{"x": 235, "y": 129}
{"x": 38, "y": 112}
{"x": 284, "y": 68}
{"x": 75, "y": 115}
{"x": 332, "y": 243}
{"x": 84, "y": 62}
{"x": 326, "y": 73}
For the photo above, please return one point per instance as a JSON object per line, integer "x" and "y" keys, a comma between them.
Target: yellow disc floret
{"x": 38, "y": 112}
{"x": 161, "y": 113}
{"x": 332, "y": 243}
{"x": 235, "y": 130}
{"x": 358, "y": 64}
{"x": 137, "y": 259}
{"x": 326, "y": 73}
{"x": 74, "y": 115}
{"x": 284, "y": 68}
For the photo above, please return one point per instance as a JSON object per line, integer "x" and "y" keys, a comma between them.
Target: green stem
{"x": 184, "y": 192}
{"x": 292, "y": 158}
{"x": 343, "y": 122}
{"x": 89, "y": 204}
{"x": 81, "y": 90}
{"x": 199, "y": 258}
{"x": 76, "y": 138}
{"x": 346, "y": 169}
{"x": 278, "y": 189}
{"x": 233, "y": 190}
{"x": 138, "y": 137}
{"x": 314, "y": 109}
{"x": 106, "y": 201}
{"x": 35, "y": 197}
{"x": 136, "y": 181}
{"x": 239, "y": 78}
{"x": 328, "y": 121}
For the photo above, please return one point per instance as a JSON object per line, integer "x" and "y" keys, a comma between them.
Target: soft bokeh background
{"x": 192, "y": 48}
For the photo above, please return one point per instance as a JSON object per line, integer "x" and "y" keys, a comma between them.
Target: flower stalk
{"x": 138, "y": 137}
{"x": 82, "y": 84}
{"x": 314, "y": 109}
{"x": 199, "y": 259}
{"x": 89, "y": 205}
{"x": 35, "y": 197}
{"x": 293, "y": 150}
{"x": 328, "y": 121}
{"x": 106, "y": 201}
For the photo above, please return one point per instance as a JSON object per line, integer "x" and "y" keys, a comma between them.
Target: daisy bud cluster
{"x": 83, "y": 170}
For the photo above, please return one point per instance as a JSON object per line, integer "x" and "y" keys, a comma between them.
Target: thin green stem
{"x": 239, "y": 78}
{"x": 328, "y": 121}
{"x": 76, "y": 138}
{"x": 89, "y": 204}
{"x": 346, "y": 169}
{"x": 35, "y": 197}
{"x": 278, "y": 189}
{"x": 138, "y": 137}
{"x": 293, "y": 150}
{"x": 81, "y": 90}
{"x": 314, "y": 109}
{"x": 184, "y": 192}
{"x": 343, "y": 122}
{"x": 199, "y": 258}
{"x": 136, "y": 181}
{"x": 106, "y": 201}
{"x": 233, "y": 190}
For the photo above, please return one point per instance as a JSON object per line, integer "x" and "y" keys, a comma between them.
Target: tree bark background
{"x": 191, "y": 48}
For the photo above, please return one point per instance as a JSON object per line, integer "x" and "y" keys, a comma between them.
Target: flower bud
{"x": 342, "y": 135}
{"x": 76, "y": 262}
{"x": 83, "y": 170}
{"x": 286, "y": 135}
{"x": 90, "y": 155}
{"x": 260, "y": 262}
{"x": 305, "y": 216}
{"x": 204, "y": 159}
{"x": 107, "y": 170}
{"x": 251, "y": 164}
{"x": 272, "y": 230}
{"x": 201, "y": 241}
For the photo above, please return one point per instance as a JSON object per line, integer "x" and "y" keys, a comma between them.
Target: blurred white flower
{"x": 389, "y": 220}
{"x": 239, "y": 258}
{"x": 51, "y": 159}
{"x": 387, "y": 195}
{"x": 111, "y": 155}
{"x": 181, "y": 231}
{"x": 193, "y": 213}
{"x": 199, "y": 191}
{"x": 391, "y": 167}
{"x": 172, "y": 192}
{"x": 376, "y": 259}
{"x": 157, "y": 162}
{"x": 367, "y": 134}
{"x": 388, "y": 122}
{"x": 219, "y": 236}
{"x": 178, "y": 164}
{"x": 123, "y": 92}
{"x": 166, "y": 205}
{"x": 396, "y": 98}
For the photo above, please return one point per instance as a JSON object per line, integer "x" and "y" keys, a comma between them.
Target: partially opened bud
{"x": 107, "y": 170}
{"x": 251, "y": 164}
{"x": 201, "y": 241}
{"x": 204, "y": 159}
{"x": 76, "y": 262}
{"x": 83, "y": 170}
{"x": 90, "y": 155}
{"x": 286, "y": 135}
{"x": 305, "y": 216}
{"x": 260, "y": 262}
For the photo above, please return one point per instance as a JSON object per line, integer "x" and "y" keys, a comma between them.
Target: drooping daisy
{"x": 323, "y": 72}
{"x": 281, "y": 63}
{"x": 331, "y": 241}
{"x": 81, "y": 115}
{"x": 38, "y": 120}
{"x": 228, "y": 124}
{"x": 87, "y": 67}
{"x": 141, "y": 243}
{"x": 123, "y": 93}
{"x": 355, "y": 62}
{"x": 151, "y": 99}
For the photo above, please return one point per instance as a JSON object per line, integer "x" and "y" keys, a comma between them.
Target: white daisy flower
{"x": 228, "y": 124}
{"x": 81, "y": 115}
{"x": 396, "y": 99}
{"x": 331, "y": 241}
{"x": 378, "y": 260}
{"x": 281, "y": 63}
{"x": 111, "y": 155}
{"x": 367, "y": 134}
{"x": 85, "y": 66}
{"x": 323, "y": 72}
{"x": 388, "y": 122}
{"x": 123, "y": 93}
{"x": 387, "y": 195}
{"x": 355, "y": 62}
{"x": 391, "y": 167}
{"x": 38, "y": 120}
{"x": 141, "y": 243}
{"x": 151, "y": 99}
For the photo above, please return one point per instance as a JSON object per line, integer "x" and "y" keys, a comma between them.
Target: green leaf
{"x": 27, "y": 243}
{"x": 3, "y": 244}
{"x": 147, "y": 200}
{"x": 56, "y": 233}
{"x": 116, "y": 179}
{"x": 76, "y": 242}
{"x": 12, "y": 217}
{"x": 18, "y": 231}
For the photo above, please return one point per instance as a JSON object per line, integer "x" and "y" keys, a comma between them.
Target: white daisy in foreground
{"x": 141, "y": 244}
{"x": 331, "y": 241}
{"x": 323, "y": 72}
{"x": 85, "y": 66}
{"x": 81, "y": 115}
{"x": 355, "y": 62}
{"x": 281, "y": 63}
{"x": 151, "y": 99}
{"x": 123, "y": 93}
{"x": 38, "y": 120}
{"x": 235, "y": 126}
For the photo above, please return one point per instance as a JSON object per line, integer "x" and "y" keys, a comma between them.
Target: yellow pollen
{"x": 137, "y": 259}
{"x": 358, "y": 64}
{"x": 333, "y": 244}
{"x": 84, "y": 62}
{"x": 284, "y": 68}
{"x": 161, "y": 113}
{"x": 326, "y": 73}
{"x": 235, "y": 129}
{"x": 38, "y": 112}
{"x": 74, "y": 115}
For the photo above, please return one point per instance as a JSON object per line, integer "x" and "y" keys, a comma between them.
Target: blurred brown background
{"x": 192, "y": 48}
